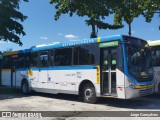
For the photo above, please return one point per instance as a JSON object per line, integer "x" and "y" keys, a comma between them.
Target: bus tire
{"x": 25, "y": 87}
{"x": 89, "y": 93}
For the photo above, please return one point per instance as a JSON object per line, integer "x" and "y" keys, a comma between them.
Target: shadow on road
{"x": 148, "y": 102}
{"x": 10, "y": 93}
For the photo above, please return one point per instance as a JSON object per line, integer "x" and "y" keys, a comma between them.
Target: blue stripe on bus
{"x": 60, "y": 68}
{"x": 24, "y": 51}
{"x": 67, "y": 44}
{"x": 111, "y": 38}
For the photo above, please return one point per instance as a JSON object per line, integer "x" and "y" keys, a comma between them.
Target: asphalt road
{"x": 62, "y": 102}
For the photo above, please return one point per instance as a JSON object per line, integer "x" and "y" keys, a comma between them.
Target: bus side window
{"x": 156, "y": 56}
{"x": 63, "y": 57}
{"x": 27, "y": 60}
{"x": 120, "y": 58}
{"x": 44, "y": 59}
{"x": 51, "y": 58}
{"x": 6, "y": 62}
{"x": 34, "y": 59}
{"x": 84, "y": 55}
{"x": 20, "y": 61}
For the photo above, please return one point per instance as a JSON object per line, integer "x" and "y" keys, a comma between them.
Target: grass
{"x": 9, "y": 90}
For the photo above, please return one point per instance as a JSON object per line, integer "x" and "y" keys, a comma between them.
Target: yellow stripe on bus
{"x": 99, "y": 39}
{"x": 6, "y": 70}
{"x": 144, "y": 86}
{"x": 10, "y": 53}
{"x": 98, "y": 75}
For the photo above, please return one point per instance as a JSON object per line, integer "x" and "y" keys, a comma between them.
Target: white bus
{"x": 115, "y": 66}
{"x": 155, "y": 48}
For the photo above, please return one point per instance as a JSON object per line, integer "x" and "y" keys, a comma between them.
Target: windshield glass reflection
{"x": 139, "y": 61}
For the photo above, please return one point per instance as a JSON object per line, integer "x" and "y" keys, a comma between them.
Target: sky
{"x": 41, "y": 28}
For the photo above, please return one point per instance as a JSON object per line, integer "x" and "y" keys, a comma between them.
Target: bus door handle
{"x": 56, "y": 83}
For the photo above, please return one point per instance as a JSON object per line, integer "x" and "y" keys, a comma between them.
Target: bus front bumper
{"x": 135, "y": 92}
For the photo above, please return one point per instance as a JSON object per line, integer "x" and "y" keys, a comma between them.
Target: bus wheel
{"x": 25, "y": 88}
{"x": 89, "y": 93}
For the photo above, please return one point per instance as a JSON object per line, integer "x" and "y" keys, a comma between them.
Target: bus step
{"x": 109, "y": 95}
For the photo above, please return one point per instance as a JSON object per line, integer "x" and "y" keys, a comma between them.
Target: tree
{"x": 10, "y": 18}
{"x": 95, "y": 10}
{"x": 127, "y": 10}
{"x": 151, "y": 7}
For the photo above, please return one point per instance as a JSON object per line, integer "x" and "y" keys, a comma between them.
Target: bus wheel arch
{"x": 87, "y": 92}
{"x": 25, "y": 87}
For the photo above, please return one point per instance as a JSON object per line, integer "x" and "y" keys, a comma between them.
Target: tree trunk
{"x": 129, "y": 25}
{"x": 93, "y": 33}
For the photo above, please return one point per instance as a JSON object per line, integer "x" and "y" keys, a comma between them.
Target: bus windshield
{"x": 139, "y": 61}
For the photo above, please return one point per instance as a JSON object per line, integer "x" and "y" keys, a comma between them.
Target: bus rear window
{"x": 6, "y": 62}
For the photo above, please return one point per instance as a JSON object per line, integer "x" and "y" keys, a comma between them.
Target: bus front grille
{"x": 145, "y": 92}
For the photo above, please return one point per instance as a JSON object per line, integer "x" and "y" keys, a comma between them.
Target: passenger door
{"x": 14, "y": 59}
{"x": 43, "y": 69}
{"x": 108, "y": 69}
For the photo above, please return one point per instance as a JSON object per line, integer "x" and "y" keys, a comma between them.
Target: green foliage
{"x": 150, "y": 8}
{"x": 96, "y": 12}
{"x": 10, "y": 18}
{"x": 127, "y": 10}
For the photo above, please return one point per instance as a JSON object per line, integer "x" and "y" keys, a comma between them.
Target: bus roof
{"x": 24, "y": 51}
{"x": 67, "y": 44}
{"x": 154, "y": 43}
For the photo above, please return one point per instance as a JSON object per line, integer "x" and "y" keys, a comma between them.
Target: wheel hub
{"x": 88, "y": 94}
